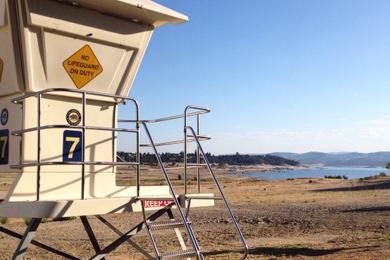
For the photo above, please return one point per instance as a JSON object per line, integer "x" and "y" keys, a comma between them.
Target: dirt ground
{"x": 300, "y": 219}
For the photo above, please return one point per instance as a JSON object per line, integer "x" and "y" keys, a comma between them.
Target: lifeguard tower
{"x": 65, "y": 68}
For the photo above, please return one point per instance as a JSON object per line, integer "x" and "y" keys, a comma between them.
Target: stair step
{"x": 155, "y": 198}
{"x": 196, "y": 164}
{"x": 197, "y": 197}
{"x": 166, "y": 225}
{"x": 179, "y": 255}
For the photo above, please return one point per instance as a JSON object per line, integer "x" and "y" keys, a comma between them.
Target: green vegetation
{"x": 344, "y": 177}
{"x": 234, "y": 159}
{"x": 27, "y": 221}
{"x": 3, "y": 220}
{"x": 388, "y": 166}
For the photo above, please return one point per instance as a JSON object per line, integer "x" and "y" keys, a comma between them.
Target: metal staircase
{"x": 171, "y": 224}
{"x": 175, "y": 201}
{"x": 182, "y": 201}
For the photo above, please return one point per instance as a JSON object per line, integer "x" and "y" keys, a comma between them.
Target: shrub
{"x": 333, "y": 177}
{"x": 3, "y": 220}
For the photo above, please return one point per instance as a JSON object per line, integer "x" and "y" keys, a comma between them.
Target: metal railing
{"x": 183, "y": 216}
{"x": 115, "y": 99}
{"x": 200, "y": 110}
{"x": 193, "y": 136}
{"x": 175, "y": 199}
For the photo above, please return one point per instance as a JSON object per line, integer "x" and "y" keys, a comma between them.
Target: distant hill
{"x": 232, "y": 159}
{"x": 377, "y": 159}
{"x": 246, "y": 159}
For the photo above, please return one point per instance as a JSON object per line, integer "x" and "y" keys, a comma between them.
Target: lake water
{"x": 351, "y": 173}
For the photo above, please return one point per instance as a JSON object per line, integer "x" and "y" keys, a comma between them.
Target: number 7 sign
{"x": 72, "y": 146}
{"x": 4, "y": 146}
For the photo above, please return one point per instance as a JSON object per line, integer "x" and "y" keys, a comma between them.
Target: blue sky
{"x": 279, "y": 75}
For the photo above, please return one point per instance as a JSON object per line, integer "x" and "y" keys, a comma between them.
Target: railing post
{"x": 138, "y": 143}
{"x": 198, "y": 152}
{"x": 84, "y": 103}
{"x": 185, "y": 150}
{"x": 39, "y": 146}
{"x": 114, "y": 134}
{"x": 185, "y": 144}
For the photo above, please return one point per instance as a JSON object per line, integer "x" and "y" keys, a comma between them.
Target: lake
{"x": 351, "y": 173}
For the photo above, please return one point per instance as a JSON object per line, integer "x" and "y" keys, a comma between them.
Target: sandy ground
{"x": 300, "y": 219}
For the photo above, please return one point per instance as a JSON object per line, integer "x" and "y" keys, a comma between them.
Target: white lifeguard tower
{"x": 65, "y": 67}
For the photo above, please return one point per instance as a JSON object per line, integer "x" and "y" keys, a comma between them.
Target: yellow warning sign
{"x": 83, "y": 66}
{"x": 1, "y": 68}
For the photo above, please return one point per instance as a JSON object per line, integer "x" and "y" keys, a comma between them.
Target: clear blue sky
{"x": 279, "y": 75}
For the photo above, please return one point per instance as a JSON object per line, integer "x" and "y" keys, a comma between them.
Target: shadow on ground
{"x": 372, "y": 209}
{"x": 282, "y": 251}
{"x": 377, "y": 186}
{"x": 288, "y": 251}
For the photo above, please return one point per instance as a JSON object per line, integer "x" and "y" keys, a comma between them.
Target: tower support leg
{"x": 129, "y": 234}
{"x": 91, "y": 234}
{"x": 129, "y": 241}
{"x": 27, "y": 238}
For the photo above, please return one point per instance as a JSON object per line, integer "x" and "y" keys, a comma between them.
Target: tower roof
{"x": 145, "y": 11}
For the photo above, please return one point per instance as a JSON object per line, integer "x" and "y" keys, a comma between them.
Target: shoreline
{"x": 237, "y": 169}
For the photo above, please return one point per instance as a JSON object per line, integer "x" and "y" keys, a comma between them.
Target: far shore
{"x": 262, "y": 168}
{"x": 230, "y": 169}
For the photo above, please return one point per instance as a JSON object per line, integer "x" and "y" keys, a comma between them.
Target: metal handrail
{"x": 201, "y": 138}
{"x": 20, "y": 166}
{"x": 83, "y": 127}
{"x": 33, "y": 129}
{"x": 17, "y": 100}
{"x": 188, "y": 229}
{"x": 222, "y": 194}
{"x": 168, "y": 118}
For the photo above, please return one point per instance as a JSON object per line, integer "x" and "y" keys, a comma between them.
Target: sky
{"x": 279, "y": 75}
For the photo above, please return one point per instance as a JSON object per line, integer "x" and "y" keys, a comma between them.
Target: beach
{"x": 300, "y": 219}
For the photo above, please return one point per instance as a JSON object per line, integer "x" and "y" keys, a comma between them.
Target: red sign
{"x": 156, "y": 203}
